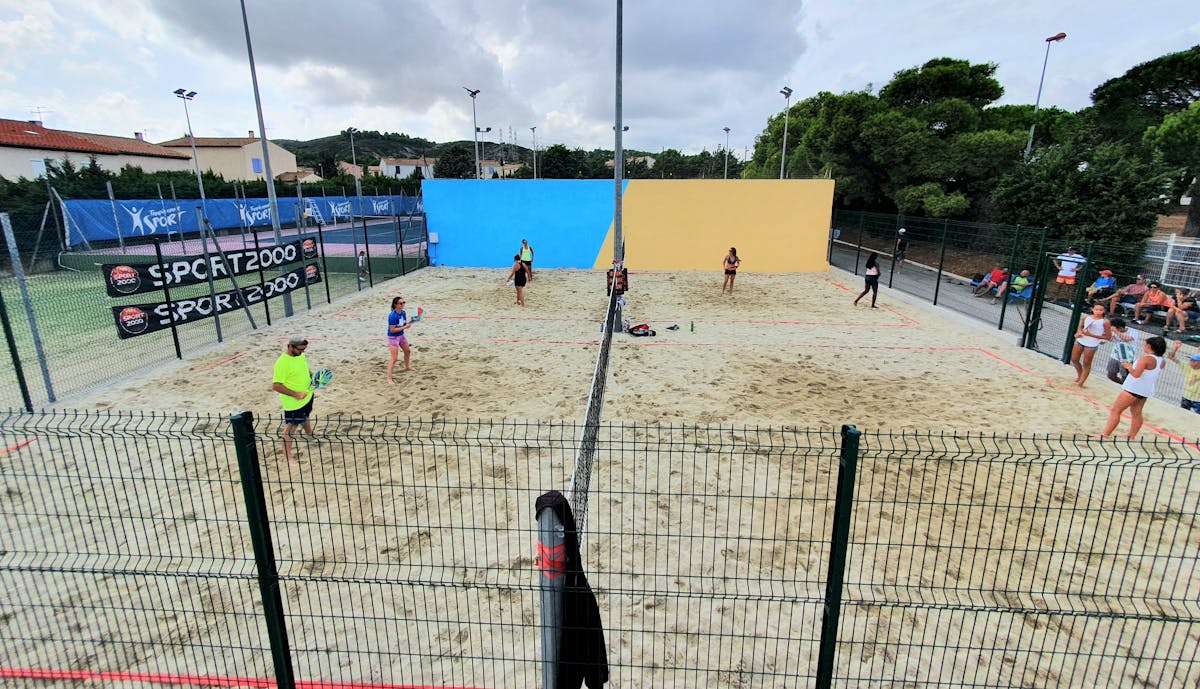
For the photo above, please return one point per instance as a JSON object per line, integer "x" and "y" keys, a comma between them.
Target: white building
{"x": 235, "y": 158}
{"x": 25, "y": 148}
{"x": 400, "y": 168}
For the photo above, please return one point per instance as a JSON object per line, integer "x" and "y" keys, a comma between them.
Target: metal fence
{"x": 188, "y": 550}
{"x": 943, "y": 256}
{"x": 60, "y": 332}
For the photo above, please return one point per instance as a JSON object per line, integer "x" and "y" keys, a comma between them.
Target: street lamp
{"x": 186, "y": 95}
{"x": 1050, "y": 39}
{"x": 787, "y": 107}
{"x": 534, "y": 130}
{"x": 354, "y": 166}
{"x": 726, "y": 175}
{"x": 472, "y": 93}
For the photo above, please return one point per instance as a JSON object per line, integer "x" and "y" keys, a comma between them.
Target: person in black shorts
{"x": 901, "y": 248}
{"x": 871, "y": 280}
{"x": 731, "y": 265}
{"x": 519, "y": 276}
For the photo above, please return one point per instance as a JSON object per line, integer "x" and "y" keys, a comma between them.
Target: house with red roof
{"x": 25, "y": 148}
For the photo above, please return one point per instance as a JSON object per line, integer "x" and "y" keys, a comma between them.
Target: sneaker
{"x": 673, "y": 327}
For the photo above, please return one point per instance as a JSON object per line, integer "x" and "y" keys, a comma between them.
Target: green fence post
{"x": 264, "y": 549}
{"x": 858, "y": 247}
{"x": 16, "y": 356}
{"x": 1012, "y": 273}
{"x": 937, "y": 286}
{"x": 1077, "y": 303}
{"x": 895, "y": 243}
{"x": 324, "y": 263}
{"x": 840, "y": 543}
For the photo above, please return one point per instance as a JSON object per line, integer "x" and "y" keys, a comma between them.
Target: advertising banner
{"x": 140, "y": 319}
{"x": 96, "y": 220}
{"x": 123, "y": 279}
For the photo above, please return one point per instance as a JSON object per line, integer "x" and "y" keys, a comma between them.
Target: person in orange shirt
{"x": 1152, "y": 301}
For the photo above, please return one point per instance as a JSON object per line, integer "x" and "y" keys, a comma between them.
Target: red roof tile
{"x": 129, "y": 146}
{"x": 18, "y": 134}
{"x": 209, "y": 142}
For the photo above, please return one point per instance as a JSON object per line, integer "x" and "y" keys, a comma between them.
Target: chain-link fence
{"x": 63, "y": 334}
{"x": 939, "y": 260}
{"x": 401, "y": 553}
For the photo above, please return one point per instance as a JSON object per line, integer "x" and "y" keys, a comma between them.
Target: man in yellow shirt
{"x": 293, "y": 382}
{"x": 1191, "y": 379}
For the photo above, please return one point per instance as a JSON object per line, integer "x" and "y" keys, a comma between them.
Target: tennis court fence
{"x": 943, "y": 256}
{"x": 62, "y": 334}
{"x": 172, "y": 549}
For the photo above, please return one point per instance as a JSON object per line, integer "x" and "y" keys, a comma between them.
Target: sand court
{"x": 712, "y": 541}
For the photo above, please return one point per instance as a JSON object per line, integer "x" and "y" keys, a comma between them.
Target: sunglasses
{"x": 299, "y": 348}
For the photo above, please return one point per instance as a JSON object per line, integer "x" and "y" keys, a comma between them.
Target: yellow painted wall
{"x": 776, "y": 225}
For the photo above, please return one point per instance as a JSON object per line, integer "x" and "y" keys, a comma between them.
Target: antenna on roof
{"x": 38, "y": 111}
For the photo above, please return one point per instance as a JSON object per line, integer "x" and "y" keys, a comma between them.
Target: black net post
{"x": 16, "y": 356}
{"x": 170, "y": 305}
{"x": 367, "y": 249}
{"x": 264, "y": 548}
{"x": 840, "y": 543}
{"x": 937, "y": 285}
{"x": 551, "y": 562}
{"x": 858, "y": 244}
{"x": 324, "y": 264}
{"x": 1012, "y": 273}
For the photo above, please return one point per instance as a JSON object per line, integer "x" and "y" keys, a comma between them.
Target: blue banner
{"x": 97, "y": 220}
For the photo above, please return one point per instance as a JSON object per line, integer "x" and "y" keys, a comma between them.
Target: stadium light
{"x": 473, "y": 93}
{"x": 1049, "y": 39}
{"x": 726, "y": 175}
{"x": 534, "y": 130}
{"x": 787, "y": 107}
{"x": 354, "y": 163}
{"x": 186, "y": 95}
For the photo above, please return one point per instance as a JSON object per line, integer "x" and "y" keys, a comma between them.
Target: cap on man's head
{"x": 298, "y": 342}
{"x": 902, "y": 230}
{"x": 1194, "y": 357}
{"x": 1141, "y": 277}
{"x": 1106, "y": 273}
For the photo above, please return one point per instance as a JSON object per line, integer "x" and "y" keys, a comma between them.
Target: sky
{"x": 690, "y": 68}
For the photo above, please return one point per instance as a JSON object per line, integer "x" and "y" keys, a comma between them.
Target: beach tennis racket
{"x": 415, "y": 314}
{"x": 321, "y": 378}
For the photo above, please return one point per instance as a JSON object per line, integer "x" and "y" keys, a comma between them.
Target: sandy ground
{"x": 711, "y": 500}
{"x": 783, "y": 350}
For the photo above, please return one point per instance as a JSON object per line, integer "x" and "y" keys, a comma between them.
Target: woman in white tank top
{"x": 1143, "y": 377}
{"x": 1093, "y": 330}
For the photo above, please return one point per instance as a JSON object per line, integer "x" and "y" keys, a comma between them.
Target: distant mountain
{"x": 370, "y": 146}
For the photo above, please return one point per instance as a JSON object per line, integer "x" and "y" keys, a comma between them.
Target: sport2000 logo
{"x": 133, "y": 320}
{"x": 124, "y": 279}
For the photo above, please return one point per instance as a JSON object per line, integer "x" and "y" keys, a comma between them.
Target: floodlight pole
{"x": 357, "y": 177}
{"x": 726, "y": 175}
{"x": 787, "y": 109}
{"x": 1051, "y": 39}
{"x": 618, "y": 147}
{"x": 272, "y": 199}
{"x": 534, "y": 130}
{"x": 185, "y": 96}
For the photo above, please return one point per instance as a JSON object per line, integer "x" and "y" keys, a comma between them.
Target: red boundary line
{"x": 18, "y": 446}
{"x": 195, "y": 680}
{"x": 222, "y": 361}
{"x": 885, "y": 308}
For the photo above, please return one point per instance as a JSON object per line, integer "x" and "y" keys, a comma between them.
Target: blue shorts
{"x": 1190, "y": 405}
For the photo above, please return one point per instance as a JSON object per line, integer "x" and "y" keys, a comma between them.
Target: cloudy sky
{"x": 691, "y": 68}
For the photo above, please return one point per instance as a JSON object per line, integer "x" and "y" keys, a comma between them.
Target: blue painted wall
{"x": 480, "y": 223}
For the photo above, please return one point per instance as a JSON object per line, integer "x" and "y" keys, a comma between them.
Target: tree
{"x": 1177, "y": 139}
{"x": 1106, "y": 193}
{"x": 1141, "y": 97}
{"x": 557, "y": 162}
{"x": 456, "y": 162}
{"x": 942, "y": 79}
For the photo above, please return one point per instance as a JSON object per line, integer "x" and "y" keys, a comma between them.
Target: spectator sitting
{"x": 1016, "y": 285}
{"x": 1102, "y": 288}
{"x": 1153, "y": 301}
{"x": 1185, "y": 307}
{"x": 1129, "y": 294}
{"x": 991, "y": 281}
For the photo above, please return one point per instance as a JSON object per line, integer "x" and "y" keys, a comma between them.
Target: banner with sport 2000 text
{"x": 123, "y": 279}
{"x": 141, "y": 319}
